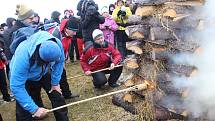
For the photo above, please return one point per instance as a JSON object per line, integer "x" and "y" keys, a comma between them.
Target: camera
{"x": 123, "y": 11}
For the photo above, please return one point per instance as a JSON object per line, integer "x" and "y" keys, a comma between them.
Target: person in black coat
{"x": 90, "y": 18}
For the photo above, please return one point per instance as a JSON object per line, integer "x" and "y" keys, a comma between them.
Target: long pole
{"x": 93, "y": 72}
{"x": 133, "y": 88}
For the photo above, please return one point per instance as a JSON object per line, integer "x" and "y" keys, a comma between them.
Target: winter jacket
{"x": 121, "y": 21}
{"x": 65, "y": 40}
{"x": 22, "y": 69}
{"x": 8, "y": 37}
{"x": 109, "y": 33}
{"x": 54, "y": 29}
{"x": 96, "y": 58}
{"x": 89, "y": 24}
{"x": 3, "y": 61}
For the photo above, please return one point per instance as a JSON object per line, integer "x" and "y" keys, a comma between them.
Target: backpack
{"x": 21, "y": 35}
{"x": 24, "y": 33}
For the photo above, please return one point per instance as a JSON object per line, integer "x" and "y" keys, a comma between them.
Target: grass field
{"x": 96, "y": 110}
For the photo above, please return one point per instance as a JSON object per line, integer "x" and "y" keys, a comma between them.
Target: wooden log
{"x": 184, "y": 46}
{"x": 160, "y": 54}
{"x": 181, "y": 69}
{"x": 129, "y": 83}
{"x": 135, "y": 49}
{"x": 186, "y": 3}
{"x": 133, "y": 43}
{"x": 170, "y": 13}
{"x": 162, "y": 113}
{"x": 145, "y": 10}
{"x": 128, "y": 98}
{"x": 156, "y": 2}
{"x": 180, "y": 16}
{"x": 131, "y": 64}
{"x": 117, "y": 100}
{"x": 160, "y": 33}
{"x": 134, "y": 19}
{"x": 137, "y": 31}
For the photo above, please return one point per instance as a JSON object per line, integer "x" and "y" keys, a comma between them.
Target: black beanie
{"x": 55, "y": 14}
{"x": 72, "y": 24}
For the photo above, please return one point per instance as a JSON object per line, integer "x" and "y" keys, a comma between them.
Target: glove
{"x": 119, "y": 13}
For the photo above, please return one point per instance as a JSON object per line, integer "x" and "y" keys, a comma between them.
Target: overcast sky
{"x": 43, "y": 7}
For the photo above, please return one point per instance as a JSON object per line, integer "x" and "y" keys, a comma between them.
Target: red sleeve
{"x": 84, "y": 60}
{"x": 117, "y": 58}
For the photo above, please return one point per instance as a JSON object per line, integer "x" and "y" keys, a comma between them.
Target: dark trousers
{"x": 99, "y": 78}
{"x": 33, "y": 88}
{"x": 74, "y": 47}
{"x": 7, "y": 71}
{"x": 64, "y": 85}
{"x": 121, "y": 39}
{"x": 1, "y": 119}
{"x": 3, "y": 85}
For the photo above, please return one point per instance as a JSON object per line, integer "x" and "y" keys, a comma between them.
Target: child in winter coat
{"x": 109, "y": 26}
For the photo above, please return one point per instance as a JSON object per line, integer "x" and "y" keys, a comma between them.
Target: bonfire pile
{"x": 160, "y": 29}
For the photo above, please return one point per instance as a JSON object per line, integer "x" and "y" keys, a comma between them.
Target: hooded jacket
{"x": 96, "y": 58}
{"x": 109, "y": 33}
{"x": 22, "y": 70}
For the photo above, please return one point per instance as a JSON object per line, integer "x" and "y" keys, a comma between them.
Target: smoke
{"x": 201, "y": 99}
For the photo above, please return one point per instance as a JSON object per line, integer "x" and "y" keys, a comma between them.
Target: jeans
{"x": 33, "y": 88}
{"x": 99, "y": 78}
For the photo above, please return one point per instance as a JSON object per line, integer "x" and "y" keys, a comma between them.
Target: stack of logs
{"x": 160, "y": 29}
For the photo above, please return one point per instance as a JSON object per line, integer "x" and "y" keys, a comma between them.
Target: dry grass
{"x": 97, "y": 110}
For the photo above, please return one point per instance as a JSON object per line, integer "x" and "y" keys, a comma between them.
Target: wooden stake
{"x": 133, "y": 88}
{"x": 93, "y": 72}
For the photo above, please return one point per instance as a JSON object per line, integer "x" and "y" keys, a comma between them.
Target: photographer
{"x": 120, "y": 15}
{"x": 90, "y": 18}
{"x": 3, "y": 83}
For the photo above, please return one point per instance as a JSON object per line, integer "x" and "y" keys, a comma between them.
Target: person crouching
{"x": 99, "y": 56}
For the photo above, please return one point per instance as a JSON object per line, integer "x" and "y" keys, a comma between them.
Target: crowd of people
{"x": 33, "y": 53}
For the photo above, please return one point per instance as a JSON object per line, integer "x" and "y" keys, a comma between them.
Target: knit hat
{"x": 49, "y": 51}
{"x": 97, "y": 33}
{"x": 72, "y": 24}
{"x": 55, "y": 14}
{"x": 104, "y": 9}
{"x": 23, "y": 12}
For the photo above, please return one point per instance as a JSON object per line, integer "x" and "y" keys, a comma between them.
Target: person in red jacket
{"x": 3, "y": 82}
{"x": 99, "y": 56}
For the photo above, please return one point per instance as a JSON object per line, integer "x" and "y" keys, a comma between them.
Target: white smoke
{"x": 201, "y": 99}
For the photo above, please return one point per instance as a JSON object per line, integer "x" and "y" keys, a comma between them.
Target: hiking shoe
{"x": 114, "y": 85}
{"x": 73, "y": 95}
{"x": 11, "y": 99}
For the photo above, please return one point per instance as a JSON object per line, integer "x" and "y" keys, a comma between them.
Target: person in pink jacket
{"x": 109, "y": 26}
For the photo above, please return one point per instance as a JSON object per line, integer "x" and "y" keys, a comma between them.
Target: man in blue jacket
{"x": 37, "y": 63}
